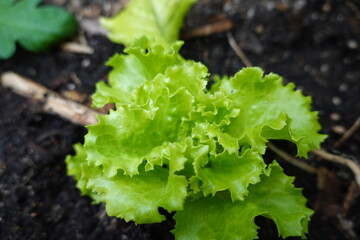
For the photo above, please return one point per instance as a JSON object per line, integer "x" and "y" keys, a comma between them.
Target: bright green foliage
{"x": 133, "y": 198}
{"x": 34, "y": 28}
{"x": 218, "y": 217}
{"x": 172, "y": 143}
{"x": 138, "y": 66}
{"x": 273, "y": 112}
{"x": 159, "y": 20}
{"x": 75, "y": 167}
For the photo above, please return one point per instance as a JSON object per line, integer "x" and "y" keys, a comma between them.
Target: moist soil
{"x": 314, "y": 43}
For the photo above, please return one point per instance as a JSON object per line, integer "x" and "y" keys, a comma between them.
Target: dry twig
{"x": 355, "y": 168}
{"x": 76, "y": 48}
{"x": 52, "y": 102}
{"x": 236, "y": 48}
{"x": 351, "y": 195}
{"x": 347, "y": 134}
{"x": 219, "y": 26}
{"x": 353, "y": 7}
{"x": 294, "y": 161}
{"x": 340, "y": 160}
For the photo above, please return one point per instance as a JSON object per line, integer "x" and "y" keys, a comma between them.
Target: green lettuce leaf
{"x": 127, "y": 136}
{"x": 158, "y": 20}
{"x": 230, "y": 172}
{"x": 218, "y": 217}
{"x": 270, "y": 110}
{"x": 139, "y": 197}
{"x": 131, "y": 198}
{"x": 141, "y": 63}
{"x": 75, "y": 166}
{"x": 34, "y": 28}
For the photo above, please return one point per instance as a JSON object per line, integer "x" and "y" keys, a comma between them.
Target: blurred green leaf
{"x": 34, "y": 28}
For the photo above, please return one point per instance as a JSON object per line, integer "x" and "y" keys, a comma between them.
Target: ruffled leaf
{"x": 218, "y": 217}
{"x": 270, "y": 110}
{"x": 75, "y": 166}
{"x": 139, "y": 197}
{"x": 231, "y": 172}
{"x": 131, "y": 198}
{"x": 123, "y": 139}
{"x": 141, "y": 64}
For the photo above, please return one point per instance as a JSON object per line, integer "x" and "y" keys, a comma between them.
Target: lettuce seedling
{"x": 175, "y": 144}
{"x": 34, "y": 28}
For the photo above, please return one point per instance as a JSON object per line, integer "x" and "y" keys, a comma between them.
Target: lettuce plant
{"x": 172, "y": 143}
{"x": 175, "y": 143}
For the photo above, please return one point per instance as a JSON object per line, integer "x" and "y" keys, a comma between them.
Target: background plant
{"x": 34, "y": 28}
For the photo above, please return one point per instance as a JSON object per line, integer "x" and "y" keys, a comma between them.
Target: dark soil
{"x": 314, "y": 43}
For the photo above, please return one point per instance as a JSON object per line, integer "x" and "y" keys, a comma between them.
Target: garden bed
{"x": 315, "y": 44}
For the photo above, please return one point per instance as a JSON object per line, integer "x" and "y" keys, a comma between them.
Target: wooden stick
{"x": 294, "y": 161}
{"x": 74, "y": 47}
{"x": 347, "y": 134}
{"x": 239, "y": 52}
{"x": 353, "y": 7}
{"x": 340, "y": 160}
{"x": 354, "y": 167}
{"x": 350, "y": 197}
{"x": 209, "y": 29}
{"x": 52, "y": 102}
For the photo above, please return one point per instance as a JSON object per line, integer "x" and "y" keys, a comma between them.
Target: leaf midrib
{"x": 157, "y": 20}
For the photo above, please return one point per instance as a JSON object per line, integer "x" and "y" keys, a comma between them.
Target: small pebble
{"x": 250, "y": 13}
{"x": 326, "y": 7}
{"x": 300, "y": 4}
{"x": 352, "y": 44}
{"x": 339, "y": 129}
{"x": 343, "y": 87}
{"x": 336, "y": 101}
{"x": 259, "y": 29}
{"x": 33, "y": 214}
{"x": 335, "y": 116}
{"x": 85, "y": 63}
{"x": 270, "y": 6}
{"x": 324, "y": 68}
{"x": 124, "y": 237}
{"x": 71, "y": 86}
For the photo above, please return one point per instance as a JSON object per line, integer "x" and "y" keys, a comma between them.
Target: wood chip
{"x": 74, "y": 47}
{"x": 92, "y": 27}
{"x": 222, "y": 25}
{"x": 51, "y": 101}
